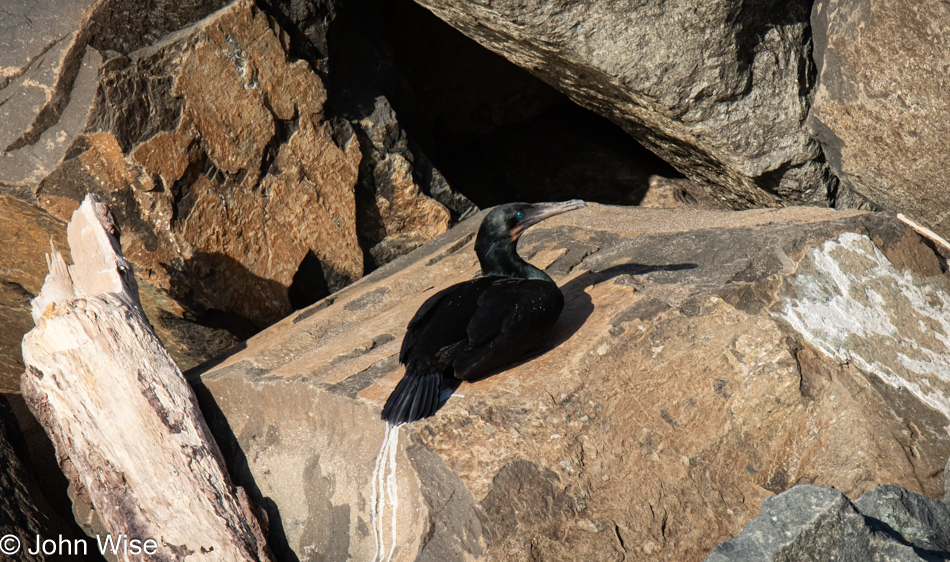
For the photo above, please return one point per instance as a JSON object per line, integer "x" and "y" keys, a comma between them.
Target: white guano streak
{"x": 383, "y": 488}
{"x": 823, "y": 309}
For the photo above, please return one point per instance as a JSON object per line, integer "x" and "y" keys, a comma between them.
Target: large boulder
{"x": 882, "y": 105}
{"x": 211, "y": 141}
{"x": 223, "y": 186}
{"x": 720, "y": 90}
{"x": 704, "y": 361}
{"x": 814, "y": 523}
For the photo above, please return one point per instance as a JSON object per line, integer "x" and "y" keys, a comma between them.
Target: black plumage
{"x": 470, "y": 329}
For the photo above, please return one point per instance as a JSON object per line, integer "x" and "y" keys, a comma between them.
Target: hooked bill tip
{"x": 564, "y": 206}
{"x": 547, "y": 210}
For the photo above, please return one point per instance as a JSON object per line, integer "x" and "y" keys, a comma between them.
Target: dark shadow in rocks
{"x": 563, "y": 153}
{"x": 306, "y": 24}
{"x": 240, "y": 471}
{"x": 37, "y": 455}
{"x": 194, "y": 374}
{"x": 219, "y": 292}
{"x": 310, "y": 282}
{"x": 235, "y": 324}
{"x": 496, "y": 132}
{"x": 919, "y": 546}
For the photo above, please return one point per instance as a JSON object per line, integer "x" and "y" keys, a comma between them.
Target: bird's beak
{"x": 544, "y": 211}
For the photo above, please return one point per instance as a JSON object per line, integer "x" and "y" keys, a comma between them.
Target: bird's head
{"x": 504, "y": 225}
{"x": 512, "y": 219}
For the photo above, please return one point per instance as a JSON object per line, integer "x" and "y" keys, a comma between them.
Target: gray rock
{"x": 882, "y": 105}
{"x": 946, "y": 482}
{"x": 920, "y": 521}
{"x": 49, "y": 57}
{"x": 29, "y": 28}
{"x": 23, "y": 167}
{"x": 805, "y": 517}
{"x": 816, "y": 523}
{"x": 720, "y": 90}
{"x": 33, "y": 100}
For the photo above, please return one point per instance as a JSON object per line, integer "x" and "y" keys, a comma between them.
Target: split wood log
{"x": 126, "y": 426}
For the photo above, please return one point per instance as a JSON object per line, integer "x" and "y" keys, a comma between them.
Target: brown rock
{"x": 704, "y": 361}
{"x": 15, "y": 317}
{"x": 394, "y": 215}
{"x": 678, "y": 193}
{"x": 408, "y": 218}
{"x": 224, "y": 176}
{"x": 25, "y": 236}
{"x": 211, "y": 147}
{"x": 882, "y": 107}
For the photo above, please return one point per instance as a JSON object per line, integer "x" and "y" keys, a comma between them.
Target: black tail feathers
{"x": 414, "y": 398}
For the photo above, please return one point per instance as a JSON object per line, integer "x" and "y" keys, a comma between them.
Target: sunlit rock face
{"x": 881, "y": 105}
{"x": 704, "y": 361}
{"x": 850, "y": 302}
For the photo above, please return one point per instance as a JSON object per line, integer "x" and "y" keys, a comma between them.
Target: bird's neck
{"x": 504, "y": 261}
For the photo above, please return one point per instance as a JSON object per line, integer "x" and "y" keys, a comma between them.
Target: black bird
{"x": 464, "y": 332}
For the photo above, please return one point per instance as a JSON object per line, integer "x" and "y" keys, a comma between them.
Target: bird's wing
{"x": 511, "y": 317}
{"x": 414, "y": 327}
{"x": 442, "y": 319}
{"x": 497, "y": 306}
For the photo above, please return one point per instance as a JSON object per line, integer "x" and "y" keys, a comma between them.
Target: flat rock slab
{"x": 704, "y": 362}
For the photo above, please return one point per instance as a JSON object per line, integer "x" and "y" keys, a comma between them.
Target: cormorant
{"x": 464, "y": 332}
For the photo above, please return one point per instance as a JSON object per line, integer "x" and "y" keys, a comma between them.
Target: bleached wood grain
{"x": 126, "y": 425}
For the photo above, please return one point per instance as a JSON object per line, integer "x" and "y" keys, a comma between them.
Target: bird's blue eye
{"x": 520, "y": 215}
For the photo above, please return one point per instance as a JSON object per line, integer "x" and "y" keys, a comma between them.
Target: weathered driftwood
{"x": 126, "y": 426}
